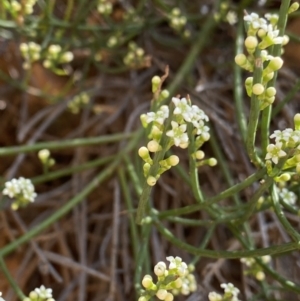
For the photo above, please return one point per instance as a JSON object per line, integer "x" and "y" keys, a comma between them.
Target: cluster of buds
{"x": 254, "y": 269}
{"x": 230, "y": 293}
{"x": 20, "y": 7}
{"x": 31, "y": 52}
{"x": 225, "y": 14}
{"x": 45, "y": 158}
{"x": 287, "y": 145}
{"x": 105, "y": 7}
{"x": 178, "y": 22}
{"x": 78, "y": 102}
{"x": 54, "y": 56}
{"x": 174, "y": 127}
{"x": 172, "y": 280}
{"x": 287, "y": 196}
{"x": 262, "y": 35}
{"x": 136, "y": 58}
{"x": 21, "y": 190}
{"x": 40, "y": 294}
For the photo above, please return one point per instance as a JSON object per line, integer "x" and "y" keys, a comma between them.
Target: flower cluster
{"x": 262, "y": 34}
{"x": 55, "y": 56}
{"x": 225, "y": 14}
{"x": 178, "y": 127}
{"x": 21, "y": 190}
{"x": 287, "y": 196}
{"x": 230, "y": 293}
{"x": 178, "y": 22}
{"x": 31, "y": 52}
{"x": 78, "y": 102}
{"x": 136, "y": 58}
{"x": 254, "y": 269}
{"x": 21, "y": 7}
{"x": 287, "y": 145}
{"x": 172, "y": 280}
{"x": 105, "y": 7}
{"x": 40, "y": 294}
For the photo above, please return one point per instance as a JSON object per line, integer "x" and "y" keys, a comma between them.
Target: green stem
{"x": 284, "y": 222}
{"x": 68, "y": 171}
{"x": 14, "y": 150}
{"x": 254, "y": 112}
{"x": 223, "y": 195}
{"x": 274, "y": 250}
{"x": 194, "y": 179}
{"x": 238, "y": 85}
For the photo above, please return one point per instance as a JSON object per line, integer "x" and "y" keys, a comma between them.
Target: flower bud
{"x": 271, "y": 91}
{"x": 260, "y": 276}
{"x": 212, "y": 162}
{"x": 240, "y": 59}
{"x": 169, "y": 297}
{"x": 160, "y": 268}
{"x": 199, "y": 154}
{"x": 173, "y": 160}
{"x": 276, "y": 63}
{"x": 156, "y": 81}
{"x": 251, "y": 43}
{"x": 258, "y": 89}
{"x": 147, "y": 281}
{"x": 293, "y": 7}
{"x": 161, "y": 294}
{"x": 151, "y": 181}
{"x": 297, "y": 121}
{"x": 153, "y": 146}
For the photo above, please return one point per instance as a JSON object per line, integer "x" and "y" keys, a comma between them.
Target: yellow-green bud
{"x": 283, "y": 178}
{"x": 260, "y": 276}
{"x": 175, "y": 11}
{"x": 161, "y": 294}
{"x": 151, "y": 181}
{"x": 156, "y": 81}
{"x": 293, "y": 7}
{"x": 143, "y": 152}
{"x": 173, "y": 160}
{"x": 44, "y": 155}
{"x": 164, "y": 94}
{"x": 271, "y": 91}
{"x": 286, "y": 39}
{"x": 297, "y": 121}
{"x": 212, "y": 162}
{"x": 142, "y": 298}
{"x": 199, "y": 154}
{"x": 240, "y": 59}
{"x": 153, "y": 146}
{"x": 258, "y": 89}
{"x": 251, "y": 43}
{"x": 266, "y": 258}
{"x": 147, "y": 281}
{"x": 169, "y": 297}
{"x": 178, "y": 282}
{"x": 275, "y": 64}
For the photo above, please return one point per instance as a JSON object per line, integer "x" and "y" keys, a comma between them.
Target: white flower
{"x": 231, "y": 17}
{"x": 274, "y": 152}
{"x": 178, "y": 133}
{"x": 288, "y": 196}
{"x": 159, "y": 116}
{"x": 248, "y": 261}
{"x": 213, "y": 296}
{"x": 229, "y": 288}
{"x": 183, "y": 108}
{"x": 255, "y": 21}
{"x": 201, "y": 128}
{"x": 43, "y": 292}
{"x": 160, "y": 268}
{"x": 177, "y": 263}
{"x": 12, "y": 188}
